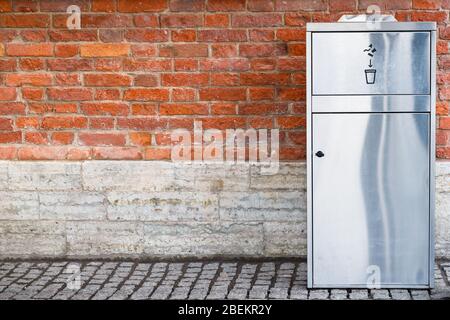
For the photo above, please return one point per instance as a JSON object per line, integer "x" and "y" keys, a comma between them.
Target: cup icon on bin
{"x": 370, "y": 75}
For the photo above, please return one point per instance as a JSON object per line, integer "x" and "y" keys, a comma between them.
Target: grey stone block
{"x": 285, "y": 238}
{"x": 209, "y": 239}
{"x": 20, "y": 205}
{"x": 163, "y": 206}
{"x": 72, "y": 206}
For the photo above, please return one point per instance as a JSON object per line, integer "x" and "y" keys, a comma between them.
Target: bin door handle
{"x": 320, "y": 154}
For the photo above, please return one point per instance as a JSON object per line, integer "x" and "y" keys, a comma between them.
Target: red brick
{"x": 36, "y": 137}
{"x": 58, "y": 122}
{"x": 263, "y": 64}
{"x": 186, "y": 64}
{"x": 296, "y": 19}
{"x": 116, "y": 153}
{"x": 260, "y": 5}
{"x": 5, "y": 6}
{"x": 226, "y": 5}
{"x": 52, "y": 153}
{"x": 262, "y": 50}
{"x": 225, "y": 94}
{"x": 222, "y": 123}
{"x": 184, "y": 50}
{"x": 442, "y": 108}
{"x": 34, "y": 35}
{"x": 442, "y": 137}
{"x": 342, "y": 5}
{"x": 144, "y": 35}
{"x": 107, "y": 94}
{"x": 67, "y": 79}
{"x": 224, "y": 65}
{"x": 292, "y": 64}
{"x": 8, "y": 153}
{"x": 8, "y": 65}
{"x": 10, "y": 108}
{"x": 183, "y": 94}
{"x": 225, "y": 79}
{"x": 69, "y": 94}
{"x": 105, "y": 108}
{"x": 183, "y": 109}
{"x": 23, "y": 50}
{"x": 104, "y": 50}
{"x": 34, "y": 79}
{"x": 146, "y": 20}
{"x": 292, "y": 153}
{"x": 263, "y": 108}
{"x": 297, "y": 49}
{"x": 32, "y": 93}
{"x": 443, "y": 152}
{"x": 157, "y": 154}
{"x": 291, "y": 34}
{"x": 101, "y": 139}
{"x": 103, "y": 5}
{"x": 187, "y": 5}
{"x": 108, "y": 64}
{"x": 181, "y": 20}
{"x": 426, "y": 4}
{"x": 41, "y": 108}
{"x": 66, "y": 50}
{"x": 141, "y": 124}
{"x": 438, "y": 16}
{"x": 34, "y": 20}
{"x": 183, "y": 35}
{"x": 291, "y": 122}
{"x": 260, "y": 122}
{"x": 184, "y": 79}
{"x": 31, "y": 64}
{"x": 142, "y": 5}
{"x": 70, "y": 64}
{"x": 73, "y": 35}
{"x": 11, "y": 137}
{"x": 27, "y": 122}
{"x": 260, "y": 35}
{"x": 223, "y": 108}
{"x": 145, "y": 80}
{"x": 444, "y": 123}
{"x": 257, "y": 20}
{"x": 147, "y": 65}
{"x": 140, "y": 138}
{"x": 144, "y": 109}
{"x": 292, "y": 94}
{"x": 146, "y": 94}
{"x": 264, "y": 78}
{"x": 298, "y": 5}
{"x": 7, "y": 35}
{"x": 6, "y": 124}
{"x": 222, "y": 35}
{"x": 61, "y": 5}
{"x": 224, "y": 50}
{"x": 217, "y": 20}
{"x": 101, "y": 123}
{"x": 7, "y": 94}
{"x": 261, "y": 93}
{"x": 62, "y": 138}
{"x": 143, "y": 50}
{"x": 107, "y": 80}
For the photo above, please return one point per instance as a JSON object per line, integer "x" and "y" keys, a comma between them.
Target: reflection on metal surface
{"x": 340, "y": 65}
{"x": 370, "y": 198}
{"x": 392, "y": 103}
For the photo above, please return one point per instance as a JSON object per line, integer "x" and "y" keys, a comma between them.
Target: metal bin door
{"x": 370, "y": 199}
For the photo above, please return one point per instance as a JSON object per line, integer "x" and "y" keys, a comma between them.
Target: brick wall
{"x": 138, "y": 69}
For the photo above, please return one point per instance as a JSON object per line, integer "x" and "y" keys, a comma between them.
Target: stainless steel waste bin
{"x": 370, "y": 156}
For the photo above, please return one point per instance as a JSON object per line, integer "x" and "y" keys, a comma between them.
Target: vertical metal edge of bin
{"x": 432, "y": 152}
{"x": 309, "y": 228}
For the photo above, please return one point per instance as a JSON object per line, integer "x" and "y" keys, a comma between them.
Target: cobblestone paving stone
{"x": 120, "y": 280}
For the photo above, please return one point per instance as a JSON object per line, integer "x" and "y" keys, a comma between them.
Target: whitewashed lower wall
{"x": 153, "y": 209}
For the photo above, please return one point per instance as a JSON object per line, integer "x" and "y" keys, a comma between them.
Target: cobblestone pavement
{"x": 118, "y": 280}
